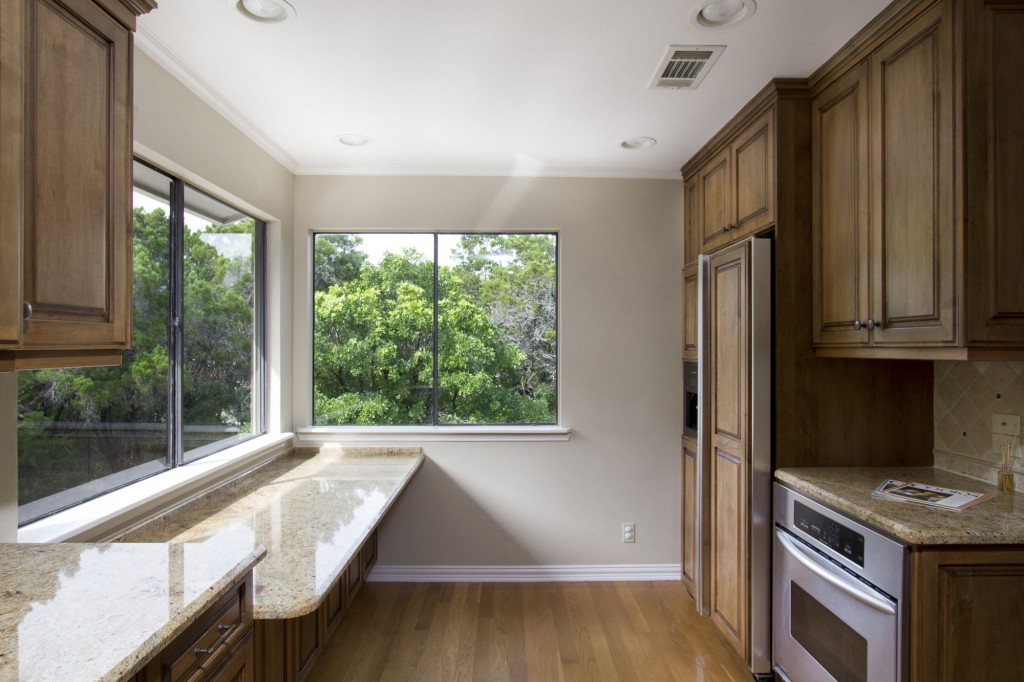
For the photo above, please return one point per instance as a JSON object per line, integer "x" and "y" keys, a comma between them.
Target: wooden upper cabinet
{"x": 994, "y": 164}
{"x": 839, "y": 196}
{"x": 65, "y": 124}
{"x": 916, "y": 185}
{"x": 691, "y": 219}
{"x": 731, "y": 184}
{"x": 690, "y": 302}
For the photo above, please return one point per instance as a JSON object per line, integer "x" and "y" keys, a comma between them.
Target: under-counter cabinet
{"x": 915, "y": 185}
{"x": 219, "y": 646}
{"x": 65, "y": 178}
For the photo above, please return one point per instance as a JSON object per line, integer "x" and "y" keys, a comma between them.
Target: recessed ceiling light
{"x": 722, "y": 13}
{"x": 264, "y": 11}
{"x": 638, "y": 143}
{"x": 353, "y": 140}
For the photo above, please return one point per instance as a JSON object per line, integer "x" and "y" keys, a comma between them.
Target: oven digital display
{"x": 834, "y": 535}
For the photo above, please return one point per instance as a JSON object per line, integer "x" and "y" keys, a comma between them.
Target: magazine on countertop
{"x": 930, "y": 495}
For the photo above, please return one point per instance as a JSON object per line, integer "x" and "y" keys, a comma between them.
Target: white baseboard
{"x": 524, "y": 574}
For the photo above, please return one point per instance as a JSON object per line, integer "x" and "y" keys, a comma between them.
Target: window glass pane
{"x": 84, "y": 431}
{"x": 219, "y": 325}
{"x": 497, "y": 343}
{"x": 373, "y": 328}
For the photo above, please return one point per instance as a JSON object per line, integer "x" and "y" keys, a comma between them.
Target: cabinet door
{"x": 753, "y": 162}
{"x": 913, "y": 198}
{"x": 77, "y": 177}
{"x": 994, "y": 109}
{"x": 714, "y": 195}
{"x": 839, "y": 189}
{"x": 12, "y": 56}
{"x": 689, "y": 515}
{"x": 691, "y": 220}
{"x": 690, "y": 302}
{"x": 964, "y": 600}
{"x": 730, "y": 456}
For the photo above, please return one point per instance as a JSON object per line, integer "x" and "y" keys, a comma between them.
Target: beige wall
{"x": 549, "y": 503}
{"x": 176, "y": 130}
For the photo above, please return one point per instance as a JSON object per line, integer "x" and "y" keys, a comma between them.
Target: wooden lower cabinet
{"x": 288, "y": 649}
{"x": 965, "y": 614}
{"x": 689, "y": 513}
{"x": 218, "y": 646}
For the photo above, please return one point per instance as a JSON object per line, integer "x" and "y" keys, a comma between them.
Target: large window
{"x": 434, "y": 329}
{"x": 192, "y": 383}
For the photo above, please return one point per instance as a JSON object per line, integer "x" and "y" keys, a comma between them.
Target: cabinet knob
{"x": 857, "y": 324}
{"x": 732, "y": 226}
{"x": 874, "y": 325}
{"x": 26, "y": 310}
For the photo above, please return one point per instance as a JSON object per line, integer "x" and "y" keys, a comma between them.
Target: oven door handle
{"x": 812, "y": 565}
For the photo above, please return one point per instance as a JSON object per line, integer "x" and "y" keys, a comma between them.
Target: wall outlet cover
{"x": 1006, "y": 424}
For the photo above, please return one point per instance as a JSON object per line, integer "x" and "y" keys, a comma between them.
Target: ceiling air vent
{"x": 685, "y": 66}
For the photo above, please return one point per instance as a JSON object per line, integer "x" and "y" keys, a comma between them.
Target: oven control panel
{"x": 832, "y": 534}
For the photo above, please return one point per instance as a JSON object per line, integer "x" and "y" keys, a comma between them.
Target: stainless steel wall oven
{"x": 839, "y": 589}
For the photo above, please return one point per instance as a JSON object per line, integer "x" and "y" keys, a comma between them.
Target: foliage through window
{"x": 184, "y": 390}
{"x": 435, "y": 329}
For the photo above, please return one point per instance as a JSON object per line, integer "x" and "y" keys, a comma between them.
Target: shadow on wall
{"x": 457, "y": 522}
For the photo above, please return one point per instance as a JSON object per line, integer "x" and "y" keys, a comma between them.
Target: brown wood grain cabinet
{"x": 728, "y": 400}
{"x": 65, "y": 174}
{"x": 288, "y": 649}
{"x": 688, "y": 471}
{"x": 691, "y": 292}
{"x": 218, "y": 646}
{"x": 731, "y": 194}
{"x": 914, "y": 212}
{"x": 966, "y": 601}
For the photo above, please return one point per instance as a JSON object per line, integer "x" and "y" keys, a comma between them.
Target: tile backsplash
{"x": 967, "y": 394}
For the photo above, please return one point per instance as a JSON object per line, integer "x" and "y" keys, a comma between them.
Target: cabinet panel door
{"x": 753, "y": 159}
{"x": 690, "y": 302}
{"x": 12, "y": 55}
{"x": 994, "y": 109}
{"x": 913, "y": 237}
{"x": 716, "y": 213}
{"x": 689, "y": 520}
{"x": 729, "y": 442}
{"x": 839, "y": 177}
{"x": 691, "y": 220}
{"x": 77, "y": 177}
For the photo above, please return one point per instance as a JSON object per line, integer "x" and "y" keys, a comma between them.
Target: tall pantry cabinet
{"x": 65, "y": 181}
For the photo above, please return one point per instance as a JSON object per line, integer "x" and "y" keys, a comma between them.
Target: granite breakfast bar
{"x": 316, "y": 511}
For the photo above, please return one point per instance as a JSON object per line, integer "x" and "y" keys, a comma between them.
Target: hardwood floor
{"x": 641, "y": 631}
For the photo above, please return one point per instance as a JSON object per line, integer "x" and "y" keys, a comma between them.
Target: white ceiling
{"x": 469, "y": 87}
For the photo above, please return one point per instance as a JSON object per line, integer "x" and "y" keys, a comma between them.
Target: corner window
{"x": 435, "y": 329}
{"x": 191, "y": 385}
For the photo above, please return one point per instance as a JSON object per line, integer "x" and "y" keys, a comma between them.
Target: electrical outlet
{"x": 629, "y": 532}
{"x": 1006, "y": 424}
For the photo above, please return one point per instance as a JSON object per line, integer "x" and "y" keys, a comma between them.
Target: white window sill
{"x": 312, "y": 436}
{"x": 171, "y": 486}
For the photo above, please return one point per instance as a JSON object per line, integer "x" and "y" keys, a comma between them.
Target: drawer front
{"x": 212, "y": 641}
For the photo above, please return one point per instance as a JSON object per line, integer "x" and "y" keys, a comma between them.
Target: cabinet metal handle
{"x": 225, "y": 631}
{"x": 732, "y": 226}
{"x": 872, "y": 324}
{"x": 26, "y": 309}
{"x": 857, "y": 324}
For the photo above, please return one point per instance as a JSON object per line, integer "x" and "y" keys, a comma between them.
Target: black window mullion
{"x": 176, "y": 416}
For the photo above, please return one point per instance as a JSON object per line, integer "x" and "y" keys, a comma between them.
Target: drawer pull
{"x": 225, "y": 631}
{"x": 26, "y": 310}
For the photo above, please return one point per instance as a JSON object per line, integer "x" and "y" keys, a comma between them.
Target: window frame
{"x": 436, "y": 429}
{"x": 176, "y": 455}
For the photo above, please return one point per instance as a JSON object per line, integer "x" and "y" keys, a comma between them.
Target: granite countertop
{"x": 998, "y": 520}
{"x": 106, "y": 609}
{"x": 311, "y": 510}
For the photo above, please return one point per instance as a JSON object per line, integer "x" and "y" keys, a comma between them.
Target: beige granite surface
{"x": 101, "y": 611}
{"x": 998, "y": 520}
{"x": 312, "y": 510}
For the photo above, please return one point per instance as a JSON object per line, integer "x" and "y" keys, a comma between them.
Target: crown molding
{"x": 455, "y": 170}
{"x": 158, "y": 51}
